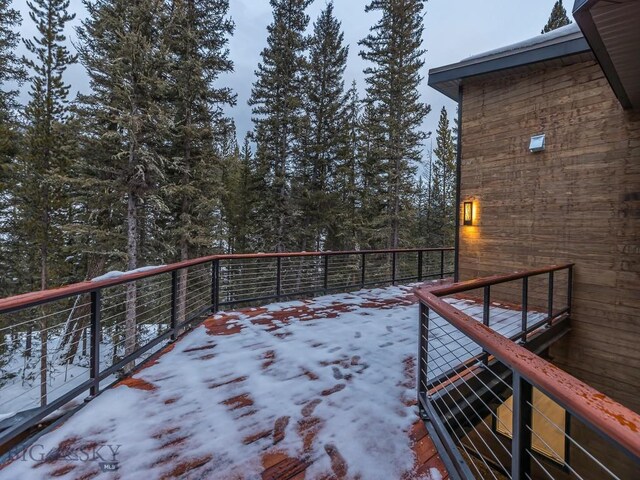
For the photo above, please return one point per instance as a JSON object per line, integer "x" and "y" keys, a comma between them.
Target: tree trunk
{"x": 78, "y": 324}
{"x": 131, "y": 294}
{"x": 43, "y": 321}
{"x": 395, "y": 218}
{"x": 181, "y": 296}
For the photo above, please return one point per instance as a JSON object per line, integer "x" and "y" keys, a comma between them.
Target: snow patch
{"x": 530, "y": 42}
{"x": 117, "y": 273}
{"x": 434, "y": 474}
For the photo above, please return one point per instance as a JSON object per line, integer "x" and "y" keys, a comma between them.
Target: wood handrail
{"x": 608, "y": 417}
{"x": 25, "y": 300}
{"x": 496, "y": 279}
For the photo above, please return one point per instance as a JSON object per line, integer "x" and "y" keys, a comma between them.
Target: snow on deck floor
{"x": 323, "y": 388}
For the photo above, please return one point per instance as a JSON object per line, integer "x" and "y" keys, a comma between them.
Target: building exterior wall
{"x": 578, "y": 201}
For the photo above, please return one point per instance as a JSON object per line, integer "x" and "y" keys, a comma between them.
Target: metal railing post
{"x": 215, "y": 286}
{"x": 423, "y": 349}
{"x": 363, "y": 272}
{"x": 174, "y": 303}
{"x": 570, "y": 289}
{"x": 486, "y": 317}
{"x": 278, "y": 277}
{"x": 326, "y": 273}
{"x": 550, "y": 306}
{"x": 521, "y": 440}
{"x": 525, "y": 308}
{"x": 393, "y": 268}
{"x": 420, "y": 266}
{"x": 441, "y": 264}
{"x": 96, "y": 306}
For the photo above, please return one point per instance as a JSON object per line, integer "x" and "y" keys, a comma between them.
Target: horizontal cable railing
{"x": 61, "y": 344}
{"x": 498, "y": 410}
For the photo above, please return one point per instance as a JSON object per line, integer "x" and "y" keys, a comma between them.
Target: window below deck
{"x": 549, "y": 423}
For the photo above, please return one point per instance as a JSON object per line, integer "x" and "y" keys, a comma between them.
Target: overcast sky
{"x": 454, "y": 29}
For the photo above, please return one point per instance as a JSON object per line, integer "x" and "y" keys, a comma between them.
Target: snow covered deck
{"x": 323, "y": 388}
{"x": 316, "y": 389}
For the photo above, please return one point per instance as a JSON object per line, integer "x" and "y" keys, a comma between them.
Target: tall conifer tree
{"x": 11, "y": 71}
{"x": 326, "y": 107}
{"x": 279, "y": 118}
{"x": 126, "y": 59}
{"x": 557, "y": 19}
{"x": 45, "y": 158}
{"x": 374, "y": 225}
{"x": 394, "y": 46}
{"x": 240, "y": 198}
{"x": 345, "y": 220}
{"x": 443, "y": 187}
{"x": 196, "y": 39}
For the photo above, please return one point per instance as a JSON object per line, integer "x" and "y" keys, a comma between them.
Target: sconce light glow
{"x": 468, "y": 214}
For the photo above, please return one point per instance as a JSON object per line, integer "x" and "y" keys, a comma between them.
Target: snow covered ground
{"x": 329, "y": 382}
{"x": 20, "y": 376}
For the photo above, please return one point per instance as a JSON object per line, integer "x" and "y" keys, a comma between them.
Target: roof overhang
{"x": 612, "y": 29}
{"x": 448, "y": 79}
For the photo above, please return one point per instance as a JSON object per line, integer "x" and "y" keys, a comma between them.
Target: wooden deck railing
{"x": 522, "y": 371}
{"x": 99, "y": 329}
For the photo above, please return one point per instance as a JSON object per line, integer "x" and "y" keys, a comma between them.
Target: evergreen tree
{"x": 344, "y": 222}
{"x": 443, "y": 188}
{"x": 45, "y": 158}
{"x": 46, "y": 155}
{"x": 196, "y": 39}
{"x": 279, "y": 119}
{"x": 394, "y": 46}
{"x": 11, "y": 71}
{"x": 373, "y": 196}
{"x": 325, "y": 108}
{"x": 557, "y": 19}
{"x": 123, "y": 50}
{"x": 240, "y": 198}
{"x": 423, "y": 235}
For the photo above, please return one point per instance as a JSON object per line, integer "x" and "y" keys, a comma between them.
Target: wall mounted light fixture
{"x": 537, "y": 143}
{"x": 468, "y": 214}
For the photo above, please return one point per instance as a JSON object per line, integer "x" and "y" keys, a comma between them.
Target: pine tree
{"x": 46, "y": 155}
{"x": 11, "y": 70}
{"x": 557, "y": 19}
{"x": 422, "y": 232}
{"x": 394, "y": 46}
{"x": 373, "y": 197}
{"x": 344, "y": 223}
{"x": 196, "y": 38}
{"x": 239, "y": 199}
{"x": 127, "y": 61}
{"x": 279, "y": 119}
{"x": 45, "y": 158}
{"x": 325, "y": 109}
{"x": 443, "y": 193}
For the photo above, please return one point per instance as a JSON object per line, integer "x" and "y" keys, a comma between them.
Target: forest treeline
{"x": 147, "y": 169}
